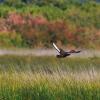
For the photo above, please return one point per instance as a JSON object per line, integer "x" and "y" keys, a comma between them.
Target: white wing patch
{"x": 56, "y": 47}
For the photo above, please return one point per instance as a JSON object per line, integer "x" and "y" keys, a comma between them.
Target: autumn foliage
{"x": 38, "y": 31}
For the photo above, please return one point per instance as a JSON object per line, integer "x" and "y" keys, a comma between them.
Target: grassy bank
{"x": 28, "y": 86}
{"x": 49, "y": 78}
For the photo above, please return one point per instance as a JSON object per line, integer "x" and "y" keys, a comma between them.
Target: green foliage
{"x": 14, "y": 3}
{"x": 73, "y": 13}
{"x": 51, "y": 13}
{"x": 4, "y": 10}
{"x": 7, "y": 41}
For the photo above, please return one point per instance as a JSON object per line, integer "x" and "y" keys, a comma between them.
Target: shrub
{"x": 12, "y": 40}
{"x": 73, "y": 23}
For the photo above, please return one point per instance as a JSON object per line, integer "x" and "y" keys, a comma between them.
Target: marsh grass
{"x": 49, "y": 78}
{"x": 45, "y": 63}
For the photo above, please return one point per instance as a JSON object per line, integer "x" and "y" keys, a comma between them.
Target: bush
{"x": 14, "y": 3}
{"x": 38, "y": 30}
{"x": 62, "y": 21}
{"x": 15, "y": 40}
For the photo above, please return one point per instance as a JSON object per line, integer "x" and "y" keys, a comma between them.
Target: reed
{"x": 48, "y": 78}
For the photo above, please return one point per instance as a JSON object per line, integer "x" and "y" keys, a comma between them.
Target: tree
{"x": 15, "y": 3}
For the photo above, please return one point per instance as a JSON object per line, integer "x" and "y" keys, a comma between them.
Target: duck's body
{"x": 63, "y": 53}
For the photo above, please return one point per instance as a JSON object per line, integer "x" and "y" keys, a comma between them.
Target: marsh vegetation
{"x": 49, "y": 78}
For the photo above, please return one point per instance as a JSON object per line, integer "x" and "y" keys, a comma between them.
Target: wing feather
{"x": 56, "y": 47}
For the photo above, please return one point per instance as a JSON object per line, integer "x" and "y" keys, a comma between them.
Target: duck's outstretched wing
{"x": 56, "y": 47}
{"x": 74, "y": 51}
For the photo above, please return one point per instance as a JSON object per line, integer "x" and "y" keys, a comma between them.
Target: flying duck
{"x": 63, "y": 53}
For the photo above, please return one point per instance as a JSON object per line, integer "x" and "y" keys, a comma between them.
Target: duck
{"x": 63, "y": 53}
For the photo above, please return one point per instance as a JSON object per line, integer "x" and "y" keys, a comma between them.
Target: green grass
{"x": 49, "y": 78}
{"x": 28, "y": 86}
{"x": 25, "y": 63}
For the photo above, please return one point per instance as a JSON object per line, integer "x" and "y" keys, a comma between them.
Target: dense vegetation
{"x": 46, "y": 63}
{"x": 49, "y": 78}
{"x": 39, "y": 22}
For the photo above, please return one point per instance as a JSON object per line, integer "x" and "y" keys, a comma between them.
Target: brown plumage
{"x": 63, "y": 53}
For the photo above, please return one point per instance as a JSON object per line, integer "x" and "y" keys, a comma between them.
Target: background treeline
{"x": 37, "y": 23}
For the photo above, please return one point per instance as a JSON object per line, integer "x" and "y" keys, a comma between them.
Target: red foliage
{"x": 4, "y": 28}
{"x": 15, "y": 19}
{"x": 70, "y": 36}
{"x": 37, "y": 29}
{"x": 39, "y": 20}
{"x": 58, "y": 26}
